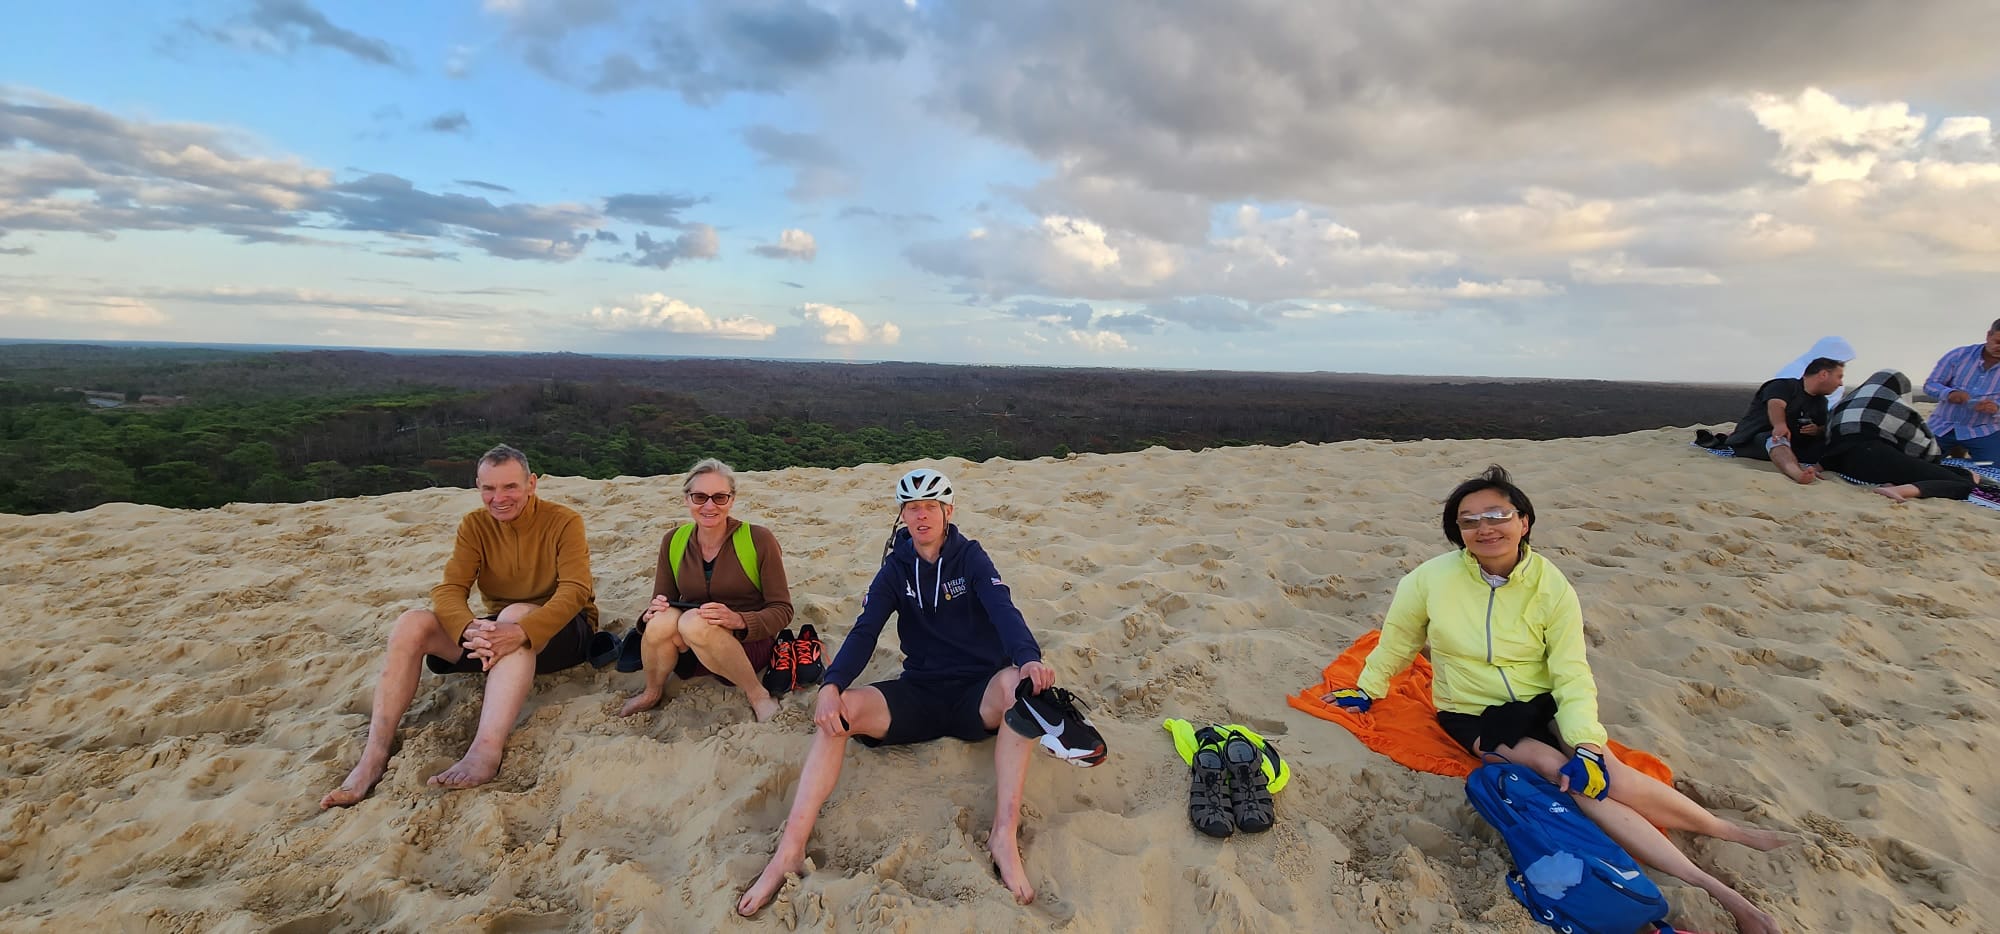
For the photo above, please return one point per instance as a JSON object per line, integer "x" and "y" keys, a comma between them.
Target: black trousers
{"x": 1878, "y": 461}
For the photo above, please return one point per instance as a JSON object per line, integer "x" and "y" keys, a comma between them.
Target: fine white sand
{"x": 181, "y": 687}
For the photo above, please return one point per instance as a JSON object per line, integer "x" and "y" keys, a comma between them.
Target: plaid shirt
{"x": 1878, "y": 409}
{"x": 1962, "y": 369}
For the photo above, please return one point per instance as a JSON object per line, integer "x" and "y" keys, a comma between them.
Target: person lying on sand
{"x": 1786, "y": 421}
{"x": 966, "y": 650}
{"x": 1507, "y": 648}
{"x": 1875, "y": 436}
{"x": 531, "y": 564}
{"x": 730, "y": 632}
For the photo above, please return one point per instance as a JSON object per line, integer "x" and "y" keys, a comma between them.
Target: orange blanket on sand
{"x": 1404, "y": 727}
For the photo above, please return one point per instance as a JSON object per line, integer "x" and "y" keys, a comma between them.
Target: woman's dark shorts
{"x": 1505, "y": 724}
{"x": 568, "y": 648}
{"x": 758, "y": 651}
{"x": 921, "y": 711}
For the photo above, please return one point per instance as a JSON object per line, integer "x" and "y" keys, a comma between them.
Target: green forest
{"x": 60, "y": 454}
{"x": 82, "y": 425}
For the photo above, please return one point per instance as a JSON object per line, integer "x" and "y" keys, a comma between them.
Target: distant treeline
{"x": 220, "y": 426}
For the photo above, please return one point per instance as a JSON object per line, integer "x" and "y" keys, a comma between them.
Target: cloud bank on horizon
{"x": 1579, "y": 188}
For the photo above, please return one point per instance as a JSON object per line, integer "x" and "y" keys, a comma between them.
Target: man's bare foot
{"x": 1007, "y": 859}
{"x": 470, "y": 772}
{"x": 644, "y": 700}
{"x": 765, "y": 709}
{"x": 1894, "y": 495}
{"x": 359, "y": 782}
{"x": 1808, "y": 475}
{"x": 767, "y": 885}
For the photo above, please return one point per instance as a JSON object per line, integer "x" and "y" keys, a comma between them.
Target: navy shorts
{"x": 924, "y": 710}
{"x": 1505, "y": 724}
{"x": 568, "y": 648}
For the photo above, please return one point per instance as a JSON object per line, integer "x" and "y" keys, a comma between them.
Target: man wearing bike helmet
{"x": 966, "y": 650}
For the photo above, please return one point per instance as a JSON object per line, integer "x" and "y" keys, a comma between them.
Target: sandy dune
{"x": 184, "y": 685}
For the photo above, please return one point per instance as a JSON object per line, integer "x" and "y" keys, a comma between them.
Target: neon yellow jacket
{"x": 1491, "y": 645}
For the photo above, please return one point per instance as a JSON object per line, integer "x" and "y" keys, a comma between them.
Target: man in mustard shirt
{"x": 532, "y": 567}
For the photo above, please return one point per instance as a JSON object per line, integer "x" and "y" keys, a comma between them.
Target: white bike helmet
{"x": 923, "y": 483}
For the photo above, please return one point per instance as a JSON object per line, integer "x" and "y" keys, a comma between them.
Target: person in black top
{"x": 1786, "y": 422}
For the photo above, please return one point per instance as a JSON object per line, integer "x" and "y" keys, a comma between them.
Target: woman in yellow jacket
{"x": 1510, "y": 679}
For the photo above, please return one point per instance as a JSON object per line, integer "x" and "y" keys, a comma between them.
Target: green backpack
{"x": 746, "y": 550}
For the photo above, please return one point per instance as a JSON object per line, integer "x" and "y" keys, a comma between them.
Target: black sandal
{"x": 1208, "y": 800}
{"x": 1249, "y": 798}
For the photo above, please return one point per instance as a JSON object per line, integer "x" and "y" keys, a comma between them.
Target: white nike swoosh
{"x": 1053, "y": 729}
{"x": 1625, "y": 874}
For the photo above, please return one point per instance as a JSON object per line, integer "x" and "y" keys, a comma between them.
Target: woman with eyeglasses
{"x": 1509, "y": 678}
{"x": 729, "y": 631}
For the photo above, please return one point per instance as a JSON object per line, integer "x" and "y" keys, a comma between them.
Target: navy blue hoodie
{"x": 954, "y": 618}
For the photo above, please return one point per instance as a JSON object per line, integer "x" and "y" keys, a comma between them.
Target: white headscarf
{"x": 1833, "y": 348}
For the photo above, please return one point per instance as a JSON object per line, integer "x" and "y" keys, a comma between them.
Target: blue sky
{"x": 1581, "y": 189}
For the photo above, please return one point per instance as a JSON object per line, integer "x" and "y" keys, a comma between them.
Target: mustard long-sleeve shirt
{"x": 540, "y": 557}
{"x": 1491, "y": 645}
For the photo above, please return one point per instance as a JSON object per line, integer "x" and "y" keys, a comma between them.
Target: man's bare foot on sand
{"x": 644, "y": 700}
{"x": 766, "y": 708}
{"x": 470, "y": 772}
{"x": 359, "y": 782}
{"x": 1007, "y": 859}
{"x": 1896, "y": 493}
{"x": 767, "y": 885}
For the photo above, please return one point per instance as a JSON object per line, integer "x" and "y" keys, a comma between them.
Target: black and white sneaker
{"x": 1053, "y": 718}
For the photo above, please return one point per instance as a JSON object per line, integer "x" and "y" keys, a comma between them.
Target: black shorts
{"x": 921, "y": 711}
{"x": 1505, "y": 724}
{"x": 568, "y": 648}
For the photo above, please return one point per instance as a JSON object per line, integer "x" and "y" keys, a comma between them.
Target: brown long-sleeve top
{"x": 764, "y": 612}
{"x": 540, "y": 557}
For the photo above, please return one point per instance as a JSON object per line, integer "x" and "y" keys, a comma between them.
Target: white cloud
{"x": 840, "y": 327}
{"x": 658, "y": 312}
{"x": 26, "y": 306}
{"x": 84, "y": 310}
{"x": 1099, "y": 341}
{"x": 131, "y": 311}
{"x": 1545, "y": 221}
{"x": 1079, "y": 241}
{"x": 1618, "y": 269}
{"x": 793, "y": 244}
{"x": 1824, "y": 140}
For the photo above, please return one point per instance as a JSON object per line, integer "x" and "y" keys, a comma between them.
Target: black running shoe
{"x": 808, "y": 656}
{"x": 1053, "y": 718}
{"x": 782, "y": 677}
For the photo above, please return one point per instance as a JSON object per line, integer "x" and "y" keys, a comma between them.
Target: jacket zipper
{"x": 1493, "y": 593}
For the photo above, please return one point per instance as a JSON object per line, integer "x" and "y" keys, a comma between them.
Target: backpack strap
{"x": 746, "y": 550}
{"x": 746, "y": 555}
{"x": 677, "y": 546}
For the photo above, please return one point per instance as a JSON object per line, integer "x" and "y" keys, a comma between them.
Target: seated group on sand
{"x": 1504, "y": 627}
{"x": 970, "y": 658}
{"x": 1801, "y": 422}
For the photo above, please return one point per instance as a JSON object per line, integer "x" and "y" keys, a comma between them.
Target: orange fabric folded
{"x": 1404, "y": 727}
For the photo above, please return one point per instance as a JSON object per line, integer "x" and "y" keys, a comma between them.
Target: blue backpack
{"x": 1568, "y": 874}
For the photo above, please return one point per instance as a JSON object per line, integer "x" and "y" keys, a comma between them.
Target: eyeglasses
{"x": 703, "y": 499}
{"x": 1489, "y": 517}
